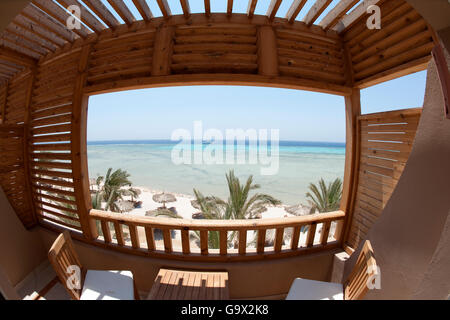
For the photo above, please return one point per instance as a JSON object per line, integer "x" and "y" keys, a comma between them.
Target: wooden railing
{"x": 216, "y": 240}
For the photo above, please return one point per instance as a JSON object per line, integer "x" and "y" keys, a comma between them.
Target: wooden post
{"x": 162, "y": 51}
{"x": 267, "y": 52}
{"x": 26, "y": 139}
{"x": 79, "y": 149}
{"x": 352, "y": 111}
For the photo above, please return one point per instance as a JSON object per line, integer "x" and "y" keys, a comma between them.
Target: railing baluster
{"x": 325, "y": 232}
{"x": 295, "y": 237}
{"x": 261, "y": 240}
{"x": 150, "y": 238}
{"x": 185, "y": 241}
{"x": 223, "y": 242}
{"x": 119, "y": 233}
{"x": 279, "y": 233}
{"x": 134, "y": 236}
{"x": 204, "y": 242}
{"x": 105, "y": 230}
{"x": 311, "y": 234}
{"x": 242, "y": 241}
{"x": 167, "y": 240}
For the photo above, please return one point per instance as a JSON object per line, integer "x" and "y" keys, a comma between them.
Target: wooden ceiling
{"x": 40, "y": 29}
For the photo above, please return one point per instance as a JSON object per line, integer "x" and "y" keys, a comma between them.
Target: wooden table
{"x": 189, "y": 285}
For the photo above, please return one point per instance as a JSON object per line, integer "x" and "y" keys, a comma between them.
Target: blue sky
{"x": 300, "y": 115}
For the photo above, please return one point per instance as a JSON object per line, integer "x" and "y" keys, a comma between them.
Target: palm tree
{"x": 113, "y": 189}
{"x": 240, "y": 205}
{"x": 325, "y": 198}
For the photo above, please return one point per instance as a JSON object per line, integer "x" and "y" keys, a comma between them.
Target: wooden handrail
{"x": 216, "y": 225}
{"x": 111, "y": 222}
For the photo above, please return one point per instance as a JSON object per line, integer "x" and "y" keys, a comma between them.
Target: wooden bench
{"x": 189, "y": 285}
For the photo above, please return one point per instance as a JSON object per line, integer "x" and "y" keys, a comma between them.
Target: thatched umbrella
{"x": 164, "y": 198}
{"x": 138, "y": 192}
{"x": 195, "y": 204}
{"x": 125, "y": 206}
{"x": 298, "y": 210}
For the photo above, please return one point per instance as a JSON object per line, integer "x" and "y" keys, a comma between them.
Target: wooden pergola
{"x": 48, "y": 72}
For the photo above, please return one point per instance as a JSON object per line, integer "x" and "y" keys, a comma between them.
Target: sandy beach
{"x": 184, "y": 207}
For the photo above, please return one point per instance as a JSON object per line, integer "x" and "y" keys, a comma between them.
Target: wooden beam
{"x": 267, "y": 52}
{"x": 162, "y": 51}
{"x": 251, "y": 8}
{"x": 59, "y": 14}
{"x": 315, "y": 11}
{"x": 47, "y": 22}
{"x": 273, "y": 9}
{"x": 26, "y": 139}
{"x": 86, "y": 16}
{"x": 394, "y": 73}
{"x": 165, "y": 8}
{"x": 122, "y": 10}
{"x": 39, "y": 31}
{"x": 19, "y": 31}
{"x": 348, "y": 20}
{"x": 143, "y": 9}
{"x": 186, "y": 8}
{"x": 230, "y": 7}
{"x": 444, "y": 75}
{"x": 79, "y": 149}
{"x": 207, "y": 8}
{"x": 333, "y": 17}
{"x": 352, "y": 112}
{"x": 295, "y": 9}
{"x": 102, "y": 12}
{"x": 16, "y": 57}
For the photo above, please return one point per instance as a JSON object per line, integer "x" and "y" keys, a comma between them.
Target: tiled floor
{"x": 37, "y": 280}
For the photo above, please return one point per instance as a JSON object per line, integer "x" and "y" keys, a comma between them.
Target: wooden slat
{"x": 119, "y": 233}
{"x": 122, "y": 10}
{"x": 223, "y": 242}
{"x": 165, "y": 8}
{"x": 186, "y": 8}
{"x": 102, "y": 12}
{"x": 311, "y": 235}
{"x": 106, "y": 232}
{"x": 150, "y": 238}
{"x": 242, "y": 241}
{"x": 315, "y": 11}
{"x": 59, "y": 14}
{"x": 295, "y": 238}
{"x": 325, "y": 232}
{"x": 335, "y": 15}
{"x": 273, "y": 9}
{"x": 261, "y": 241}
{"x": 143, "y": 9}
{"x": 251, "y": 8}
{"x": 295, "y": 9}
{"x": 230, "y": 7}
{"x": 167, "y": 240}
{"x": 134, "y": 237}
{"x": 204, "y": 242}
{"x": 185, "y": 241}
{"x": 207, "y": 8}
{"x": 278, "y": 239}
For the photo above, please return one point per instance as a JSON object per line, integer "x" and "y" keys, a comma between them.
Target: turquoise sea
{"x": 150, "y": 165}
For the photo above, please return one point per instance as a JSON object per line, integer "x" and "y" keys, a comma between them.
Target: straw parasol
{"x": 164, "y": 198}
{"x": 298, "y": 210}
{"x": 125, "y": 206}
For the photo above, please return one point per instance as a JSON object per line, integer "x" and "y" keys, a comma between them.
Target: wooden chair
{"x": 354, "y": 288}
{"x": 94, "y": 284}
